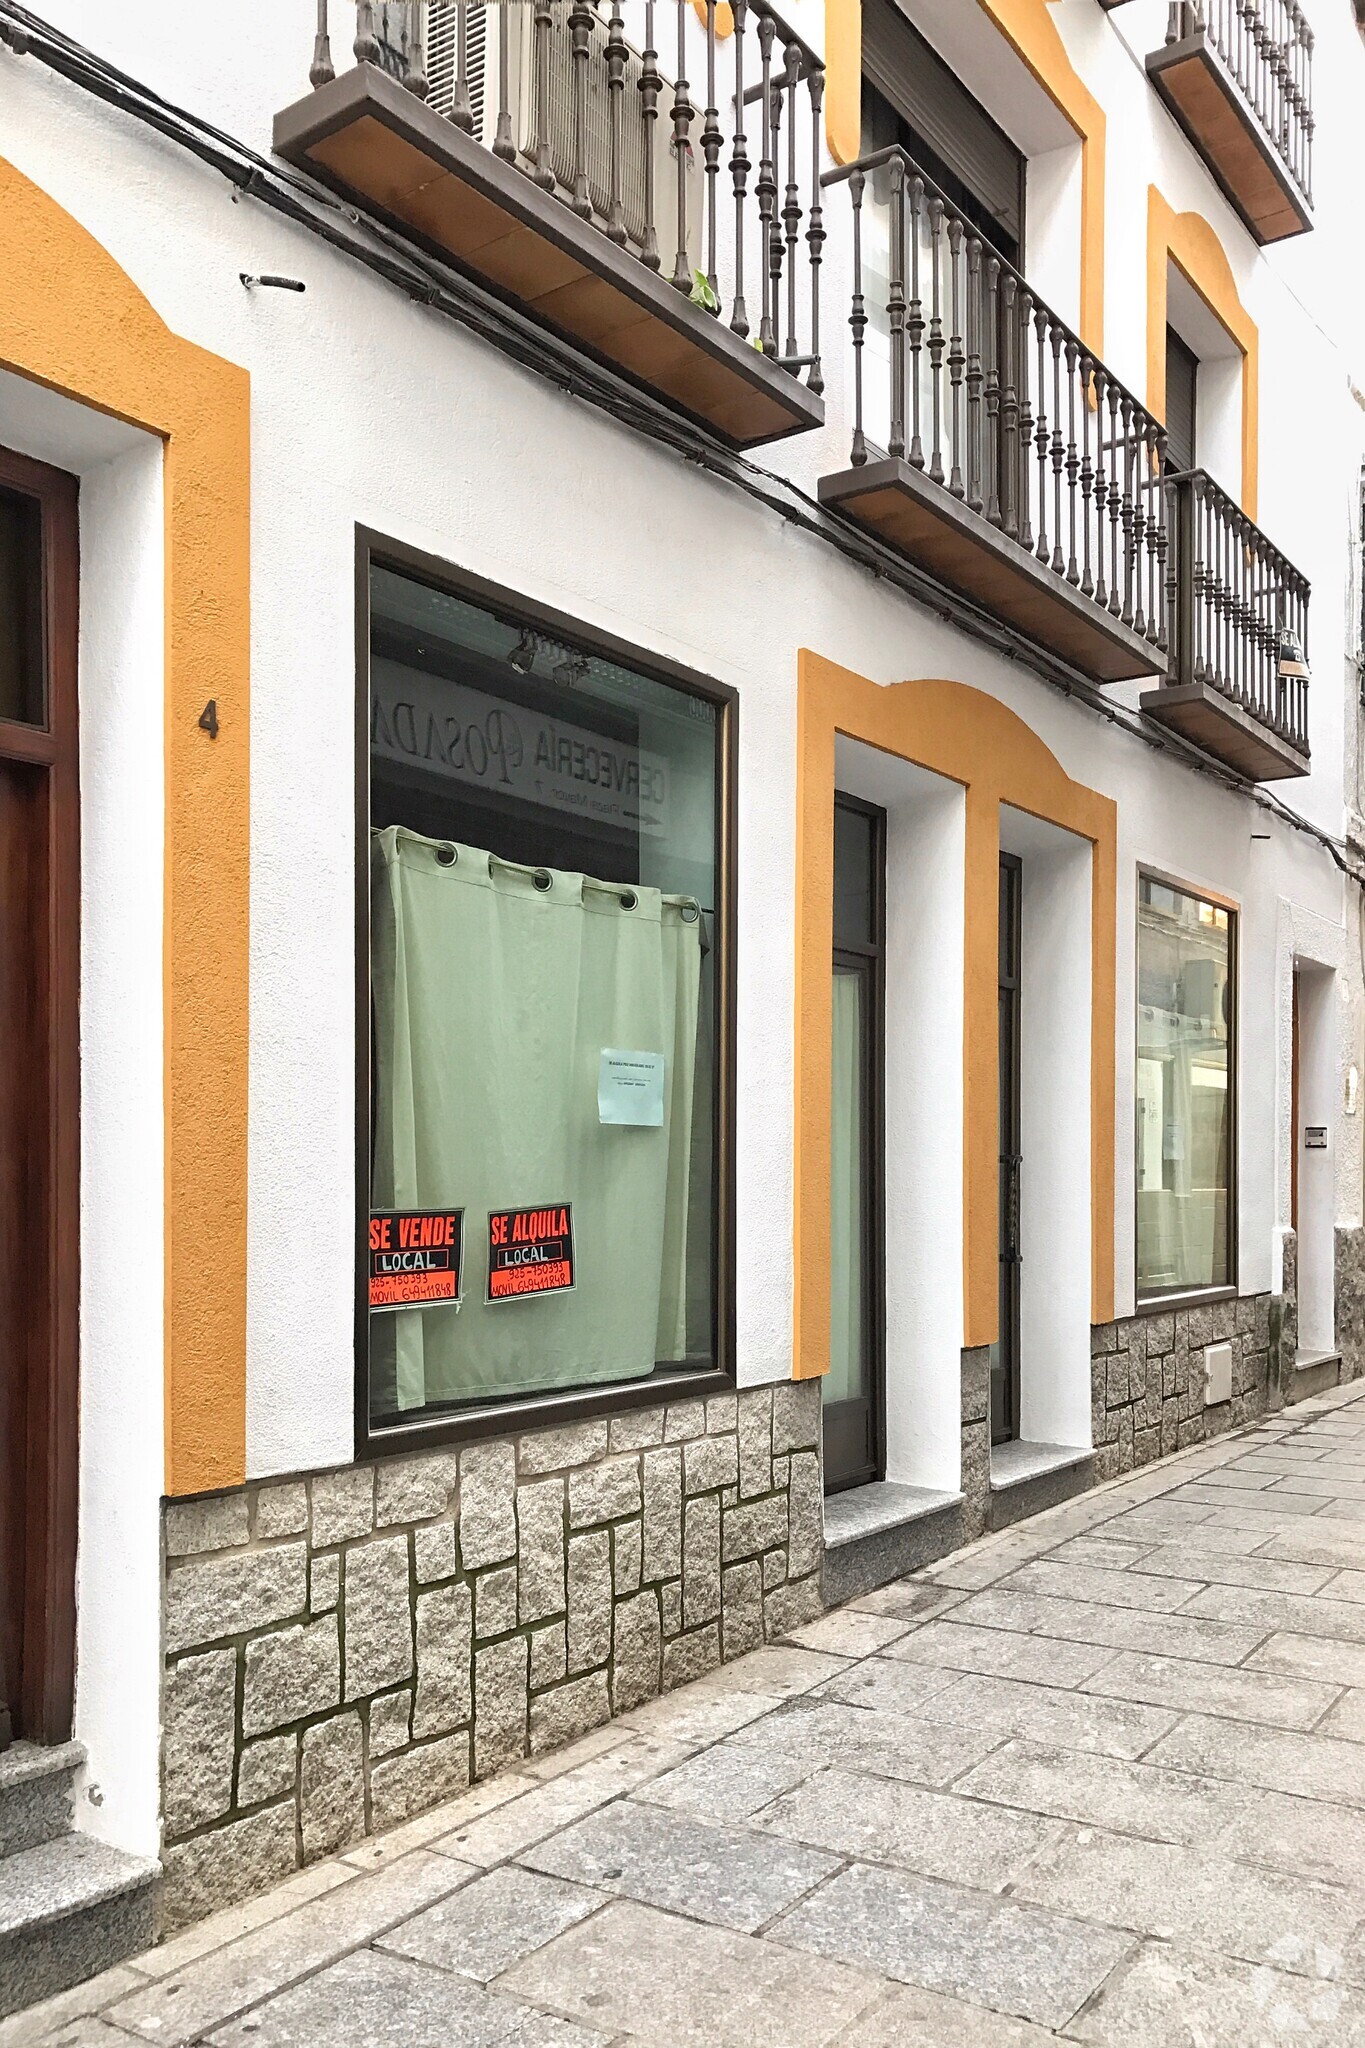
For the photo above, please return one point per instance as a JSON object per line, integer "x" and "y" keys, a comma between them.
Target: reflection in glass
{"x": 847, "y": 1378}
{"x": 1184, "y": 1101}
{"x": 21, "y": 614}
{"x": 545, "y": 884}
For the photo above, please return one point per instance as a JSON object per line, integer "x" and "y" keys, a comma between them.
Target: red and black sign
{"x": 415, "y": 1257}
{"x": 530, "y": 1251}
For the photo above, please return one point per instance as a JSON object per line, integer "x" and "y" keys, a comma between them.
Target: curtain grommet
{"x": 690, "y": 913}
{"x": 629, "y": 899}
{"x": 543, "y": 879}
{"x": 447, "y": 856}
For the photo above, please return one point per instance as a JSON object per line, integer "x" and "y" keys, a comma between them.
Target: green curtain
{"x": 845, "y": 1378}
{"x": 493, "y": 1001}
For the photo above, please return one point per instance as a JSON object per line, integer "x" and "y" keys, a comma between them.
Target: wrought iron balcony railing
{"x": 1238, "y": 677}
{"x": 988, "y": 442}
{"x": 1238, "y": 76}
{"x": 643, "y": 184}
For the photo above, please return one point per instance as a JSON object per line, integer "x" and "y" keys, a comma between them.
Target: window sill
{"x": 1196, "y": 1297}
{"x": 542, "y": 1411}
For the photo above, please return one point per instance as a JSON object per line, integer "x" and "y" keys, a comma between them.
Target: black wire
{"x": 423, "y": 279}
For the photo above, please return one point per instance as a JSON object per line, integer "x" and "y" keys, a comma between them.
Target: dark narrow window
{"x": 548, "y": 986}
{"x": 1182, "y": 402}
{"x": 853, "y": 1389}
{"x": 1005, "y": 1350}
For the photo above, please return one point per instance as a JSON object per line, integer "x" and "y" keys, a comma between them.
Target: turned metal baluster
{"x": 1192, "y": 539}
{"x": 1024, "y": 453}
{"x": 936, "y": 470}
{"x": 1174, "y": 22}
{"x": 711, "y": 141}
{"x": 895, "y": 308}
{"x": 1129, "y": 509}
{"x": 1006, "y": 327}
{"x": 991, "y": 308}
{"x": 1115, "y": 503}
{"x": 1101, "y": 487}
{"x": 957, "y": 356}
{"x": 815, "y": 227}
{"x": 975, "y": 376}
{"x": 616, "y": 89}
{"x": 1309, "y": 129}
{"x": 580, "y": 32}
{"x": 366, "y": 45}
{"x": 791, "y": 205}
{"x": 1058, "y": 452}
{"x": 504, "y": 144}
{"x": 739, "y": 169}
{"x": 461, "y": 106}
{"x": 915, "y": 323}
{"x": 1152, "y": 490}
{"x": 857, "y": 319}
{"x": 414, "y": 50}
{"x": 1165, "y": 638}
{"x": 681, "y": 279}
{"x": 1073, "y": 462}
{"x": 1041, "y": 436}
{"x": 649, "y": 87}
{"x": 776, "y": 246}
{"x": 542, "y": 29}
{"x": 766, "y": 187}
{"x": 322, "y": 71}
{"x": 1087, "y": 473}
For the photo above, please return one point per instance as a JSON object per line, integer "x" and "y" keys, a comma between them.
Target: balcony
{"x": 549, "y": 157}
{"x": 989, "y": 445}
{"x": 1238, "y": 77}
{"x": 1237, "y": 684}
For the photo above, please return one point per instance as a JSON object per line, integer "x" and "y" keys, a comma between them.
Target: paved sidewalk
{"x": 1100, "y": 1778}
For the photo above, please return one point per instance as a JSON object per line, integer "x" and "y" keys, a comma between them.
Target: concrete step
{"x": 69, "y": 1909}
{"x": 36, "y": 1793}
{"x": 1313, "y": 1373}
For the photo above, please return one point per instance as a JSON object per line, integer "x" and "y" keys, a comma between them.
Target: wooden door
{"x": 39, "y": 1094}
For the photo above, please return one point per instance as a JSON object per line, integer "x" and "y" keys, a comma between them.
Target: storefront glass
{"x": 1185, "y": 1090}
{"x": 544, "y": 888}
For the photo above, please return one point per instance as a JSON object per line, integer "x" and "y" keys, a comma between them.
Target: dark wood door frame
{"x": 40, "y": 1146}
{"x": 1005, "y": 1401}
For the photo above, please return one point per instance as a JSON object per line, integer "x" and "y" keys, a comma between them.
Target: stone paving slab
{"x": 1016, "y": 1959}
{"x": 732, "y": 1876}
{"x": 1099, "y": 1778}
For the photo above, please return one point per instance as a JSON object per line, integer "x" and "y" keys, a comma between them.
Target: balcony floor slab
{"x": 368, "y": 137}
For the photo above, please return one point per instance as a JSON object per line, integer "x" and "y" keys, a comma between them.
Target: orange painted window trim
{"x": 1188, "y": 241}
{"x": 1032, "y": 34}
{"x": 73, "y": 320}
{"x": 974, "y": 740}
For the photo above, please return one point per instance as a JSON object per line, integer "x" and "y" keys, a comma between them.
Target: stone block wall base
{"x": 347, "y": 1649}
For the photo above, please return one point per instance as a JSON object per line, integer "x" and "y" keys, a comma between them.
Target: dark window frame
{"x": 1155, "y": 1300}
{"x": 508, "y": 1417}
{"x": 869, "y": 960}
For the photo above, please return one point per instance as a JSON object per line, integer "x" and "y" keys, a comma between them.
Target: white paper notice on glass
{"x": 630, "y": 1088}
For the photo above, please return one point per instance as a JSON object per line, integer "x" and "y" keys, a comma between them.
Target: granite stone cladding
{"x": 346, "y": 1650}
{"x": 1147, "y": 1380}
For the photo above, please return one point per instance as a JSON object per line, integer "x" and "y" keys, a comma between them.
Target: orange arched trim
{"x": 71, "y": 319}
{"x": 1187, "y": 240}
{"x": 1032, "y": 34}
{"x": 975, "y": 740}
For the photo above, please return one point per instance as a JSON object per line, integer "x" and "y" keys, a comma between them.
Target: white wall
{"x": 369, "y": 409}
{"x": 1054, "y": 1137}
{"x": 926, "y": 843}
{"x": 1317, "y": 1109}
{"x": 121, "y": 1238}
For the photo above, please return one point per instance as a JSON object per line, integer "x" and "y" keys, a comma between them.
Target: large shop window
{"x": 1185, "y": 1090}
{"x": 546, "y": 933}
